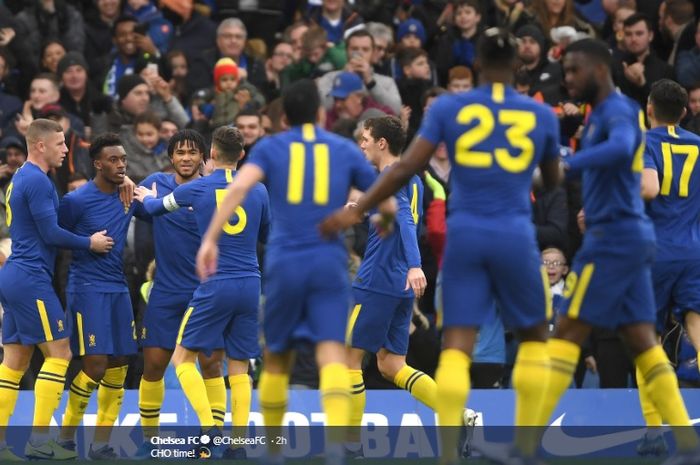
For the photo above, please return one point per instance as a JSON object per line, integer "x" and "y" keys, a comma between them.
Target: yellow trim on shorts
{"x": 580, "y": 291}
{"x": 81, "y": 341}
{"x": 351, "y": 324}
{"x": 44, "y": 320}
{"x": 185, "y": 318}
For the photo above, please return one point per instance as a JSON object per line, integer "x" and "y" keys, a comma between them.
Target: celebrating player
{"x": 98, "y": 297}
{"x": 610, "y": 283}
{"x": 227, "y": 303}
{"x": 495, "y": 138}
{"x": 33, "y": 314}
{"x": 309, "y": 173}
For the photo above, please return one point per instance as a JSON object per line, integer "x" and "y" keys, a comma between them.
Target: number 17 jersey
{"x": 495, "y": 138}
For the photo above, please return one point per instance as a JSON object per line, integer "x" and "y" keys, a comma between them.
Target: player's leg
{"x": 273, "y": 391}
{"x": 358, "y": 398}
{"x": 241, "y": 398}
{"x": 110, "y": 396}
{"x": 192, "y": 384}
{"x": 80, "y": 391}
{"x": 212, "y": 374}
{"x": 14, "y": 364}
{"x": 692, "y": 327}
{"x": 152, "y": 388}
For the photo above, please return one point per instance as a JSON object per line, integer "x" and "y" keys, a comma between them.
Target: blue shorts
{"x": 379, "y": 321}
{"x": 32, "y": 312}
{"x": 676, "y": 286}
{"x": 610, "y": 284}
{"x": 102, "y": 322}
{"x": 162, "y": 318}
{"x": 223, "y": 313}
{"x": 483, "y": 267}
{"x": 307, "y": 296}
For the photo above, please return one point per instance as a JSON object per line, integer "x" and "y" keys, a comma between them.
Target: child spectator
{"x": 152, "y": 25}
{"x": 458, "y": 45}
{"x": 147, "y": 152}
{"x": 231, "y": 95}
{"x": 416, "y": 81}
{"x": 554, "y": 261}
{"x": 147, "y": 129}
{"x": 411, "y": 33}
{"x": 317, "y": 57}
{"x": 460, "y": 79}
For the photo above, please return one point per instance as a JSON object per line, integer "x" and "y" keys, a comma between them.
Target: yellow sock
{"x": 196, "y": 391}
{"x": 662, "y": 386}
{"x": 110, "y": 396}
{"x": 151, "y": 395}
{"x": 241, "y": 397}
{"x": 48, "y": 390}
{"x": 272, "y": 390}
{"x": 358, "y": 400}
{"x": 563, "y": 358}
{"x": 418, "y": 384}
{"x": 216, "y": 393}
{"x": 453, "y": 384}
{"x": 530, "y": 379}
{"x": 9, "y": 391}
{"x": 652, "y": 418}
{"x": 80, "y": 391}
{"x": 334, "y": 384}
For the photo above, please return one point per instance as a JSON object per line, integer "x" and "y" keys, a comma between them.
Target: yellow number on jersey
{"x": 691, "y": 153}
{"x": 297, "y": 164}
{"x": 8, "y": 214}
{"x": 414, "y": 203}
{"x": 520, "y": 124}
{"x": 232, "y": 229}
{"x": 638, "y": 160}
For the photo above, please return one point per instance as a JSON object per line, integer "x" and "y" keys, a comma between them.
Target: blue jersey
{"x": 86, "y": 211}
{"x": 309, "y": 173}
{"x": 176, "y": 238}
{"x": 386, "y": 262}
{"x": 495, "y": 138}
{"x": 250, "y": 223}
{"x": 30, "y": 196}
{"x": 675, "y": 212}
{"x": 612, "y": 159}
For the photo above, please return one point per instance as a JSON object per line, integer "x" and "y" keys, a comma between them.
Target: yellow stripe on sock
{"x": 44, "y": 320}
{"x": 580, "y": 291}
{"x": 185, "y": 318}
{"x": 81, "y": 341}
{"x": 351, "y": 324}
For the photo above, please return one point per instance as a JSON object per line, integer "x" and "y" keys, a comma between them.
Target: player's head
{"x": 380, "y": 136}
{"x": 586, "y": 69}
{"x": 667, "y": 102}
{"x": 301, "y": 102}
{"x": 46, "y": 141}
{"x": 496, "y": 53}
{"x": 227, "y": 145}
{"x": 186, "y": 150}
{"x": 109, "y": 158}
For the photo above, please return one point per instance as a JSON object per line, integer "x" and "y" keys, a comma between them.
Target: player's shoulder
{"x": 80, "y": 193}
{"x": 687, "y": 136}
{"x": 166, "y": 179}
{"x": 622, "y": 105}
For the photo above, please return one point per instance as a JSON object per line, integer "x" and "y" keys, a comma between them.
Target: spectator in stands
{"x": 249, "y": 122}
{"x": 76, "y": 95}
{"x": 351, "y": 99}
{"x": 317, "y": 57}
{"x": 460, "y": 79}
{"x": 121, "y": 61}
{"x": 544, "y": 77}
{"x": 230, "y": 42}
{"x": 10, "y": 105}
{"x": 193, "y": 31}
{"x": 133, "y": 100}
{"x": 383, "y": 44}
{"x": 639, "y": 67}
{"x": 176, "y": 60}
{"x": 416, "y": 81}
{"x": 141, "y": 141}
{"x": 43, "y": 19}
{"x": 17, "y": 51}
{"x": 232, "y": 94}
{"x": 162, "y": 101}
{"x": 13, "y": 154}
{"x": 99, "y": 23}
{"x": 457, "y": 46}
{"x": 51, "y": 53}
{"x": 359, "y": 47}
{"x": 688, "y": 63}
{"x": 510, "y": 14}
{"x": 676, "y": 23}
{"x": 549, "y": 14}
{"x": 335, "y": 18}
{"x": 151, "y": 22}
{"x": 281, "y": 58}
{"x": 294, "y": 35}
{"x": 617, "y": 38}
{"x": 411, "y": 33}
{"x": 167, "y": 129}
{"x": 550, "y": 215}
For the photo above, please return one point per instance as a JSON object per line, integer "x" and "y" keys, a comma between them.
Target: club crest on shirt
{"x": 59, "y": 323}
{"x": 92, "y": 342}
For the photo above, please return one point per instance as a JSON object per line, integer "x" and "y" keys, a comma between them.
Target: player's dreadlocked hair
{"x": 497, "y": 49}
{"x": 188, "y": 138}
{"x": 108, "y": 139}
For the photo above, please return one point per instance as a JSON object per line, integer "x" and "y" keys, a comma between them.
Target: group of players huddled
{"x": 213, "y": 224}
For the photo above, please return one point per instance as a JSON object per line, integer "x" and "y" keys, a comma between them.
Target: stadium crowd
{"x": 146, "y": 70}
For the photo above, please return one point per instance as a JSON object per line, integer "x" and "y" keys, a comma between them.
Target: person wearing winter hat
{"x": 232, "y": 94}
{"x": 411, "y": 33}
{"x": 545, "y": 78}
{"x": 76, "y": 95}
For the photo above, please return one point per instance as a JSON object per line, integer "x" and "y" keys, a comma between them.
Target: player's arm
{"x": 620, "y": 145}
{"x": 408, "y": 235}
{"x": 47, "y": 223}
{"x": 650, "y": 184}
{"x": 248, "y": 176}
{"x": 265, "y": 219}
{"x": 180, "y": 197}
{"x": 550, "y": 166}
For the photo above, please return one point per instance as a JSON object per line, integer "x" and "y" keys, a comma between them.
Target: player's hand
{"x": 591, "y": 364}
{"x": 126, "y": 192}
{"x": 416, "y": 281}
{"x": 338, "y": 221}
{"x": 581, "y": 221}
{"x": 142, "y": 192}
{"x": 100, "y": 242}
{"x": 207, "y": 257}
